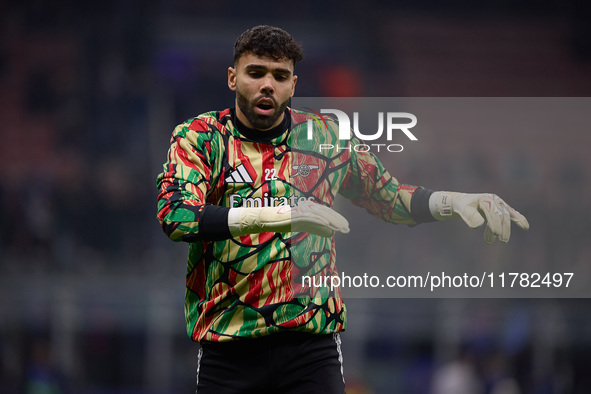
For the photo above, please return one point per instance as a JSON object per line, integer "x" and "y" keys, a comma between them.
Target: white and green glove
{"x": 307, "y": 216}
{"x": 475, "y": 209}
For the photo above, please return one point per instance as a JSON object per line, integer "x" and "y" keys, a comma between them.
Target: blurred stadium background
{"x": 91, "y": 292}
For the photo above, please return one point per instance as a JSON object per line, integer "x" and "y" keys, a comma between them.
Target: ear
{"x": 295, "y": 80}
{"x": 232, "y": 79}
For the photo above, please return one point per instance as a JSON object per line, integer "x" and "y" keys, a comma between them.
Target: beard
{"x": 260, "y": 122}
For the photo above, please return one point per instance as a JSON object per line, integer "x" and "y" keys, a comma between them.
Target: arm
{"x": 188, "y": 175}
{"x": 370, "y": 186}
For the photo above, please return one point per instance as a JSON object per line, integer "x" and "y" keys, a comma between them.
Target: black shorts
{"x": 280, "y": 363}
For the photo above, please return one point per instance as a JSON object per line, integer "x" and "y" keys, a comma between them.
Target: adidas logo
{"x": 239, "y": 175}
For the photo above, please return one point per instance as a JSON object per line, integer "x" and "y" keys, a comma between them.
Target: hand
{"x": 307, "y": 216}
{"x": 475, "y": 210}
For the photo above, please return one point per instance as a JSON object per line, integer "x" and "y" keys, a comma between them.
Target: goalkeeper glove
{"x": 475, "y": 209}
{"x": 307, "y": 216}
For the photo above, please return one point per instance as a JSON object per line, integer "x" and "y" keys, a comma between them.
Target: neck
{"x": 262, "y": 135}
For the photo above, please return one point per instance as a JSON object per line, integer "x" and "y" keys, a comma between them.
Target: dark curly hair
{"x": 270, "y": 41}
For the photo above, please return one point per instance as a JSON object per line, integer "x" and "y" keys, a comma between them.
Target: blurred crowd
{"x": 74, "y": 148}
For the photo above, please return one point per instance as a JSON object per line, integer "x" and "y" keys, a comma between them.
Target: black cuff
{"x": 214, "y": 223}
{"x": 419, "y": 206}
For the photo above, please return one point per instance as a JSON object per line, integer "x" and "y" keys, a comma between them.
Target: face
{"x": 263, "y": 88}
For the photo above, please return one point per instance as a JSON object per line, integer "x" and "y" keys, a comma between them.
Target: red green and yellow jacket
{"x": 248, "y": 287}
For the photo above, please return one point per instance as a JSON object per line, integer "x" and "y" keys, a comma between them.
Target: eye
{"x": 281, "y": 77}
{"x": 255, "y": 74}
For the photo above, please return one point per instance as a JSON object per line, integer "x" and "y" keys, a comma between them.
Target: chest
{"x": 261, "y": 175}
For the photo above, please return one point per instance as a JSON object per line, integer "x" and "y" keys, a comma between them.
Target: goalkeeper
{"x": 241, "y": 191}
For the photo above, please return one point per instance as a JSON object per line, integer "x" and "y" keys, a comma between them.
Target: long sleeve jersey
{"x": 247, "y": 287}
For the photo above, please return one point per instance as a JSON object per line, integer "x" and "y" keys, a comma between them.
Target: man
{"x": 238, "y": 186}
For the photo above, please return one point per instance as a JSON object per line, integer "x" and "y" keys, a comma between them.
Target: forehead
{"x": 250, "y": 60}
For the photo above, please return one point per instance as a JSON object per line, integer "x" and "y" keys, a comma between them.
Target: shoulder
{"x": 204, "y": 127}
{"x": 208, "y": 122}
{"x": 320, "y": 123}
{"x": 311, "y": 130}
{"x": 298, "y": 117}
{"x": 203, "y": 133}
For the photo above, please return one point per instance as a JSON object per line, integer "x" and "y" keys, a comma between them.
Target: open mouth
{"x": 265, "y": 106}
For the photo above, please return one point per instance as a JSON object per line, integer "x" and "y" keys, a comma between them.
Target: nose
{"x": 267, "y": 85}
